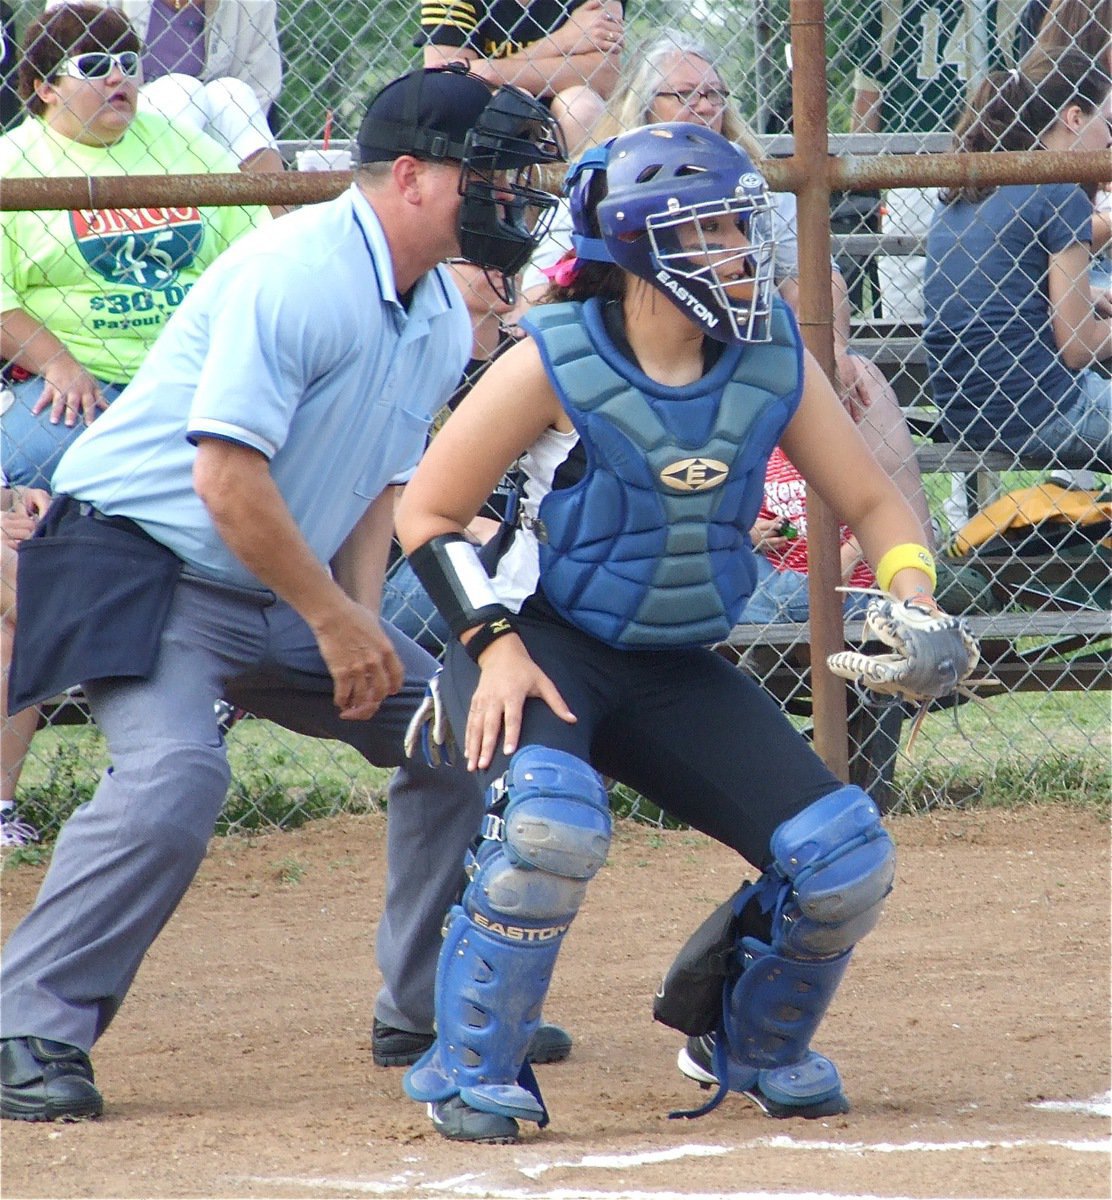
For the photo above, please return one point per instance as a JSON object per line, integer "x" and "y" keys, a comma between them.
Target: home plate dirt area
{"x": 972, "y": 1031}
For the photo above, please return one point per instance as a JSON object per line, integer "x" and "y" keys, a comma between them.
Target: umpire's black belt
{"x": 70, "y": 510}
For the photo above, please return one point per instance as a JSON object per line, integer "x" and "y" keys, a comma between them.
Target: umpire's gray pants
{"x": 124, "y": 860}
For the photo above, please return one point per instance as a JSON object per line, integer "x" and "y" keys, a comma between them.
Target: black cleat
{"x": 41, "y": 1080}
{"x": 392, "y": 1047}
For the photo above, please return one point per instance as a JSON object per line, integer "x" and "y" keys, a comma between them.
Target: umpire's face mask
{"x": 504, "y": 214}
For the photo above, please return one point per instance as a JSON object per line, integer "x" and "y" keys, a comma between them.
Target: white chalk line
{"x": 1099, "y": 1106}
{"x": 466, "y": 1192}
{"x": 473, "y": 1186}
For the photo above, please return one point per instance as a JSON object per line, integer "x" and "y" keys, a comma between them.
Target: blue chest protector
{"x": 651, "y": 547}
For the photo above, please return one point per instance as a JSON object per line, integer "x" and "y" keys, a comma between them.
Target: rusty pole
{"x": 170, "y": 191}
{"x": 809, "y": 118}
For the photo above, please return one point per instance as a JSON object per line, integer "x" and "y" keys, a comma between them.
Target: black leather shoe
{"x": 392, "y": 1047}
{"x": 41, "y": 1080}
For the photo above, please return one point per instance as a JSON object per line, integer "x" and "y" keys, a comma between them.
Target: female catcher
{"x": 643, "y": 406}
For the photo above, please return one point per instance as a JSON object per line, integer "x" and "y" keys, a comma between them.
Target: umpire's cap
{"x": 426, "y": 113}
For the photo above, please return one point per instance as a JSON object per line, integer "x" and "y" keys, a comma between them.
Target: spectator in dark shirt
{"x": 10, "y": 106}
{"x": 565, "y": 52}
{"x": 1013, "y": 324}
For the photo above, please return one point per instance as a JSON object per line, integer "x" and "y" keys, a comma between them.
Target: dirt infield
{"x": 240, "y": 1066}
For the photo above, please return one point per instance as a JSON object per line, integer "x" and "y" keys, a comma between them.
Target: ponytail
{"x": 1012, "y": 110}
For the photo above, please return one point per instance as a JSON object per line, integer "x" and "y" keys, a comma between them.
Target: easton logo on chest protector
{"x": 695, "y": 474}
{"x": 140, "y": 247}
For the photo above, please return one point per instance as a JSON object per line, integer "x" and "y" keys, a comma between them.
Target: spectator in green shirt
{"x": 84, "y": 294}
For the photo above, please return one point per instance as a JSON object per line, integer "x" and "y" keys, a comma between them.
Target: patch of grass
{"x": 625, "y": 802}
{"x": 24, "y": 856}
{"x": 1079, "y": 782}
{"x": 1006, "y": 752}
{"x": 61, "y": 772}
{"x": 290, "y": 871}
{"x": 280, "y": 780}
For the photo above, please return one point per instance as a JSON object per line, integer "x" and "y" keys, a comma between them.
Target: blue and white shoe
{"x": 459, "y": 1122}
{"x": 14, "y": 832}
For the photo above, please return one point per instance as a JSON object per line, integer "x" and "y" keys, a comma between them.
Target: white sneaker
{"x": 13, "y": 831}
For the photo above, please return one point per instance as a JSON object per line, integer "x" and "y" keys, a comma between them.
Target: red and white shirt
{"x": 785, "y": 497}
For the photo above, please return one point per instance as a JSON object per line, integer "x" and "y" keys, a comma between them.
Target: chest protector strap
{"x": 651, "y": 547}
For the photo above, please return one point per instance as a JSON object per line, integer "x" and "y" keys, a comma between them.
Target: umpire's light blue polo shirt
{"x": 294, "y": 343}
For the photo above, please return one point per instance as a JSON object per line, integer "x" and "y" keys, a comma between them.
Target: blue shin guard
{"x": 488, "y": 1005}
{"x": 832, "y": 867}
{"x": 528, "y": 879}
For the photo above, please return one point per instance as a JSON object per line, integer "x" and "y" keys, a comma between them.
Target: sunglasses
{"x": 98, "y": 65}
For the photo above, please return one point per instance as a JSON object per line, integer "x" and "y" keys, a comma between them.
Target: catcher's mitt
{"x": 429, "y": 730}
{"x": 934, "y": 653}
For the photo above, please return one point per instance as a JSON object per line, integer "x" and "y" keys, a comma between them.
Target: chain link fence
{"x": 951, "y": 320}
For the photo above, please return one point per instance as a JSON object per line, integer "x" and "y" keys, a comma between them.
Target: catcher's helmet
{"x": 674, "y": 194}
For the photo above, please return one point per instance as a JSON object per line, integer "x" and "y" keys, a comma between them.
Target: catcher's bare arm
{"x": 829, "y": 451}
{"x": 932, "y": 653}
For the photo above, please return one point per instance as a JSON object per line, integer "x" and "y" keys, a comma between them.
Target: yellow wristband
{"x": 907, "y": 554}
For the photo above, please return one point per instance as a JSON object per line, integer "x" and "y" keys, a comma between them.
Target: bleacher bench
{"x": 1057, "y": 646}
{"x": 1020, "y": 652}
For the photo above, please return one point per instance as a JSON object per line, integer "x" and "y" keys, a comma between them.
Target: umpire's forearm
{"x": 359, "y": 566}
{"x": 235, "y": 485}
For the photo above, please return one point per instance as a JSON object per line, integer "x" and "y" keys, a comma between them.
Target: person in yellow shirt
{"x": 84, "y": 294}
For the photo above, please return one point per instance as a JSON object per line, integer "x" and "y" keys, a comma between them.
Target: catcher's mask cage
{"x": 504, "y": 214}
{"x": 677, "y": 196}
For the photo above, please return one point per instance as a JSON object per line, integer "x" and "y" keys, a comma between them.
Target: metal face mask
{"x": 687, "y": 211}
{"x": 715, "y": 259}
{"x": 504, "y": 214}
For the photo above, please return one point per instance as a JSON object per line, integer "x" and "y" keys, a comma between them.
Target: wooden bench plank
{"x": 896, "y": 351}
{"x": 1086, "y": 622}
{"x": 864, "y": 246}
{"x": 935, "y": 457}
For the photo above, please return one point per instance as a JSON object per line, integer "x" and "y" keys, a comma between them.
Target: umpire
{"x": 222, "y": 531}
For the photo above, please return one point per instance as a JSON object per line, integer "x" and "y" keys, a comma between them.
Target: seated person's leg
{"x": 33, "y": 444}
{"x": 225, "y": 109}
{"x": 1080, "y": 435}
{"x": 779, "y": 597}
{"x": 178, "y": 98}
{"x": 406, "y": 605}
{"x": 885, "y": 429}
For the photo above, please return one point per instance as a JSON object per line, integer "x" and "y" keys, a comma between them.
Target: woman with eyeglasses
{"x": 674, "y": 79}
{"x": 1014, "y": 327}
{"x": 85, "y": 293}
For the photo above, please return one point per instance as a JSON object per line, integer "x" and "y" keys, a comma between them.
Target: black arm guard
{"x": 448, "y": 567}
